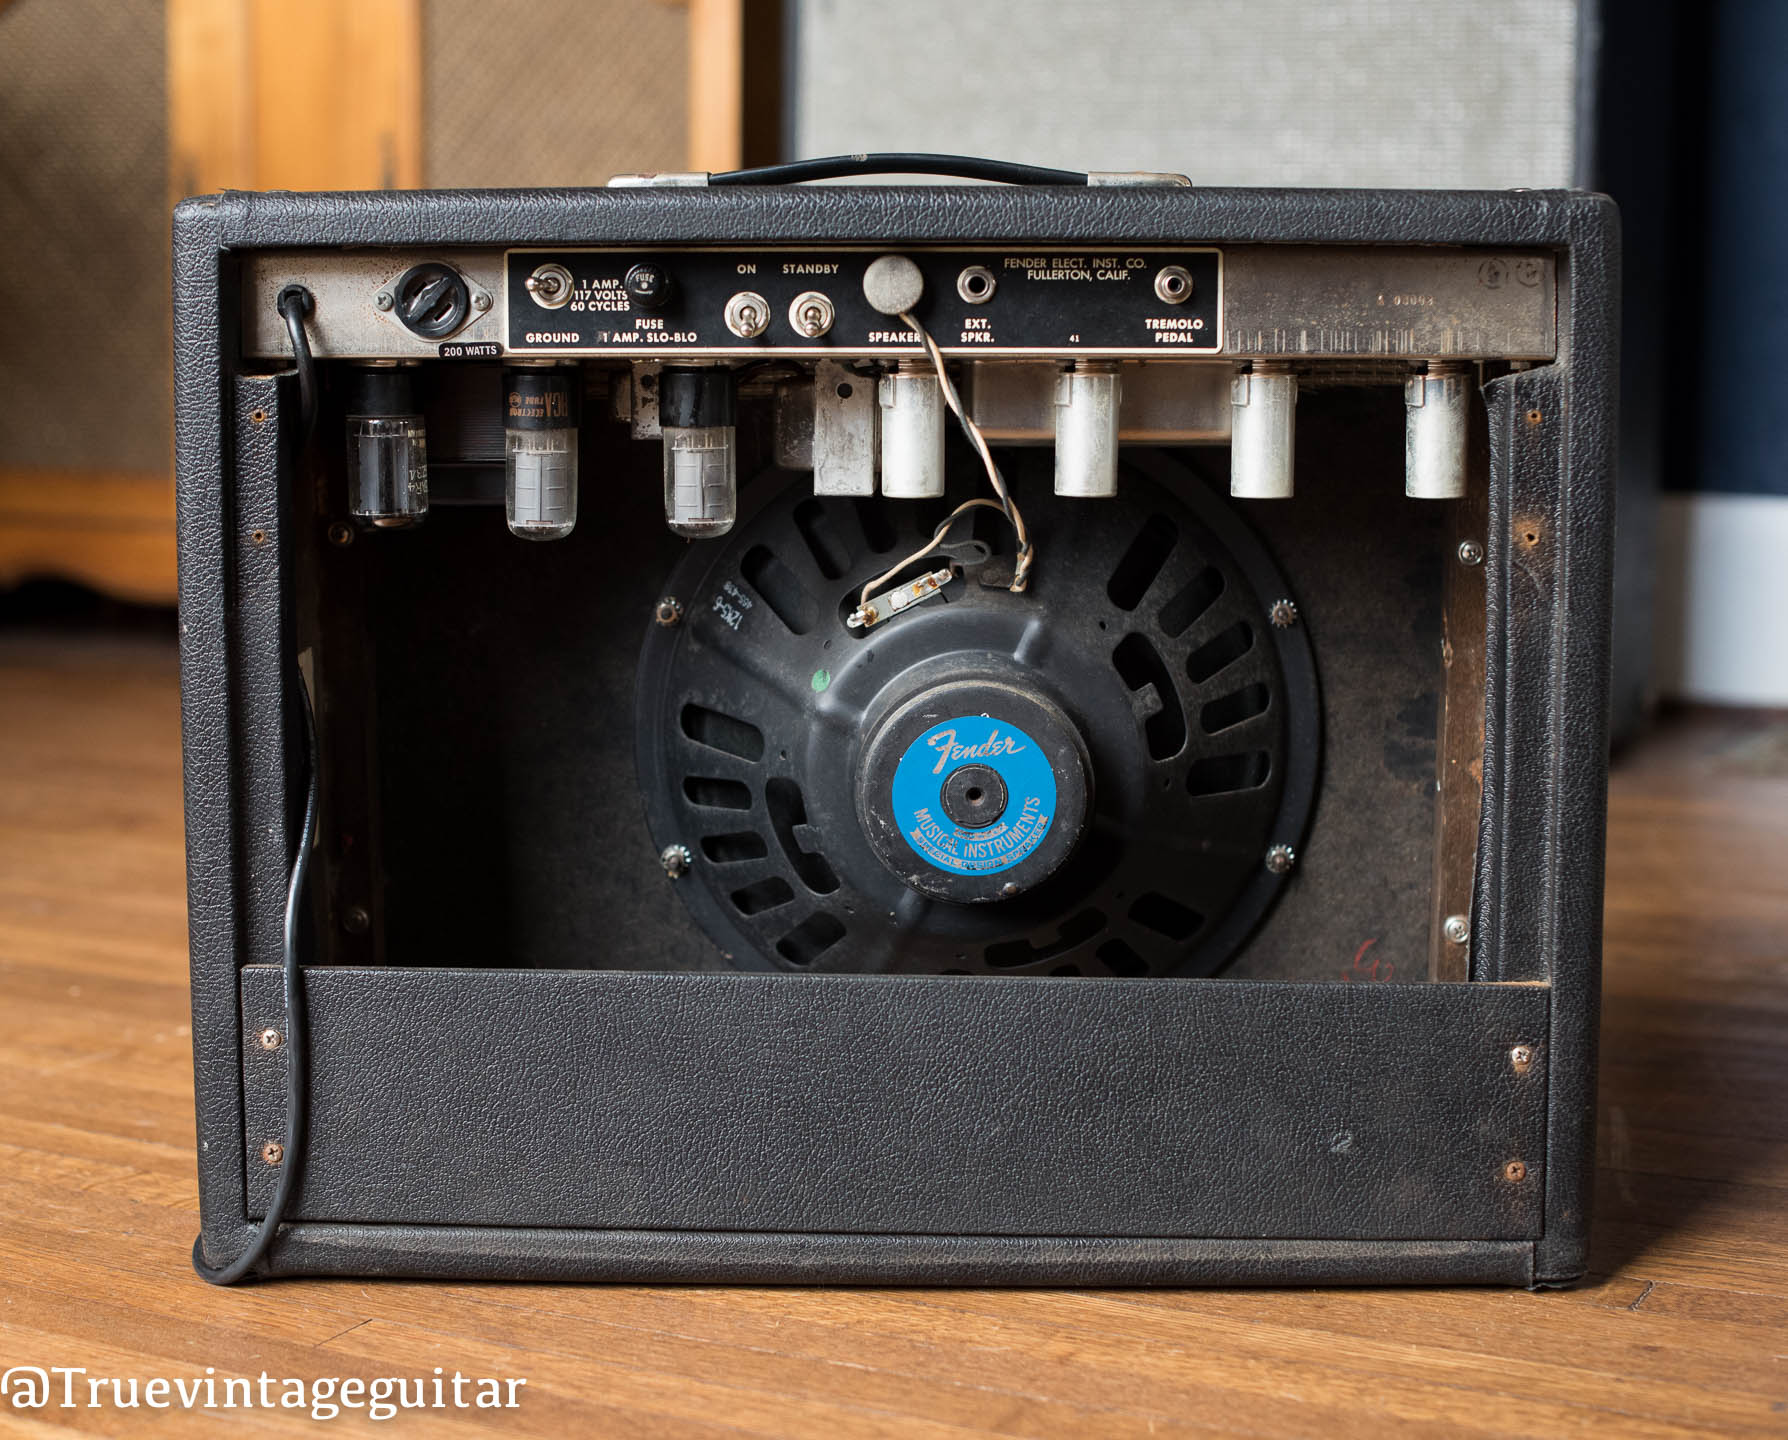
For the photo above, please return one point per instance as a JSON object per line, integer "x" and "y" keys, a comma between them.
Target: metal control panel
{"x": 1243, "y": 302}
{"x": 1128, "y": 301}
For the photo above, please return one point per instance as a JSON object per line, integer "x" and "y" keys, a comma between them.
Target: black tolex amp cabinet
{"x": 1003, "y": 734}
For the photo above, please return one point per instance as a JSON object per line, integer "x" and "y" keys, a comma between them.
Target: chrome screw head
{"x": 1521, "y": 1059}
{"x": 1471, "y": 553}
{"x": 481, "y": 302}
{"x": 1283, "y": 614}
{"x": 383, "y": 300}
{"x": 676, "y": 861}
{"x": 1457, "y": 929}
{"x": 1280, "y": 859}
{"x": 270, "y": 1038}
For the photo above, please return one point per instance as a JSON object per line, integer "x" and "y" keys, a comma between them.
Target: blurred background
{"x": 112, "y": 109}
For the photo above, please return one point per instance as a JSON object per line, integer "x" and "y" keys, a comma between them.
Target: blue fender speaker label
{"x": 974, "y": 740}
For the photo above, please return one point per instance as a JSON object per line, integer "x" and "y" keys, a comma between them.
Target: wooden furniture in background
{"x": 716, "y": 84}
{"x": 84, "y": 376}
{"x": 261, "y": 94}
{"x": 268, "y": 95}
{"x": 112, "y": 530}
{"x": 736, "y": 62}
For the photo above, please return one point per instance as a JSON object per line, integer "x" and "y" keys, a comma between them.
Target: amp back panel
{"x": 1040, "y": 734}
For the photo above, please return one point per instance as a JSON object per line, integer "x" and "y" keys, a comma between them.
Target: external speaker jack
{"x": 976, "y": 284}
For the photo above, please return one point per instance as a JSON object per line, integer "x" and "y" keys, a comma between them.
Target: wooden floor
{"x": 1683, "y": 1329}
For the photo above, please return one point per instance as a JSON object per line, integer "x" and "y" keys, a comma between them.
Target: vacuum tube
{"x": 387, "y": 448}
{"x": 540, "y": 451}
{"x": 695, "y": 410}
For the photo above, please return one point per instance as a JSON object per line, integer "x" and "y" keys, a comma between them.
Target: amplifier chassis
{"x": 519, "y": 1068}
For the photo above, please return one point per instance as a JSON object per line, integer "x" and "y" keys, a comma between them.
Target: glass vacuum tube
{"x": 540, "y": 451}
{"x": 695, "y": 410}
{"x": 387, "y": 448}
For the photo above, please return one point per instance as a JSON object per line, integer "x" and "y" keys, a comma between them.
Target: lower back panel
{"x": 927, "y": 1106}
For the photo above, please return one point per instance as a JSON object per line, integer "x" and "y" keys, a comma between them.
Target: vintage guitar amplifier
{"x": 1041, "y": 733}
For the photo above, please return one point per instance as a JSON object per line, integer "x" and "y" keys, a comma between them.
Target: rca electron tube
{"x": 695, "y": 411}
{"x": 540, "y": 451}
{"x": 387, "y": 448}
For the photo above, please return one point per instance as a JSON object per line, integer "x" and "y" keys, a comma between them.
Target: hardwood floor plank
{"x": 1678, "y": 1332}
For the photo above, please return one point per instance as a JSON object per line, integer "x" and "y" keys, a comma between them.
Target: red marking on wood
{"x": 1377, "y": 970}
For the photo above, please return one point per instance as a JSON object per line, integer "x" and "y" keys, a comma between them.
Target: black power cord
{"x": 294, "y": 305}
{"x": 295, "y": 1042}
{"x": 839, "y": 167}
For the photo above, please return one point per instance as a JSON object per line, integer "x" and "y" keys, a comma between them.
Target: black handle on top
{"x": 836, "y": 167}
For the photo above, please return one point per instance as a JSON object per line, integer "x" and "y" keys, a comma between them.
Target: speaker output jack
{"x": 976, "y": 284}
